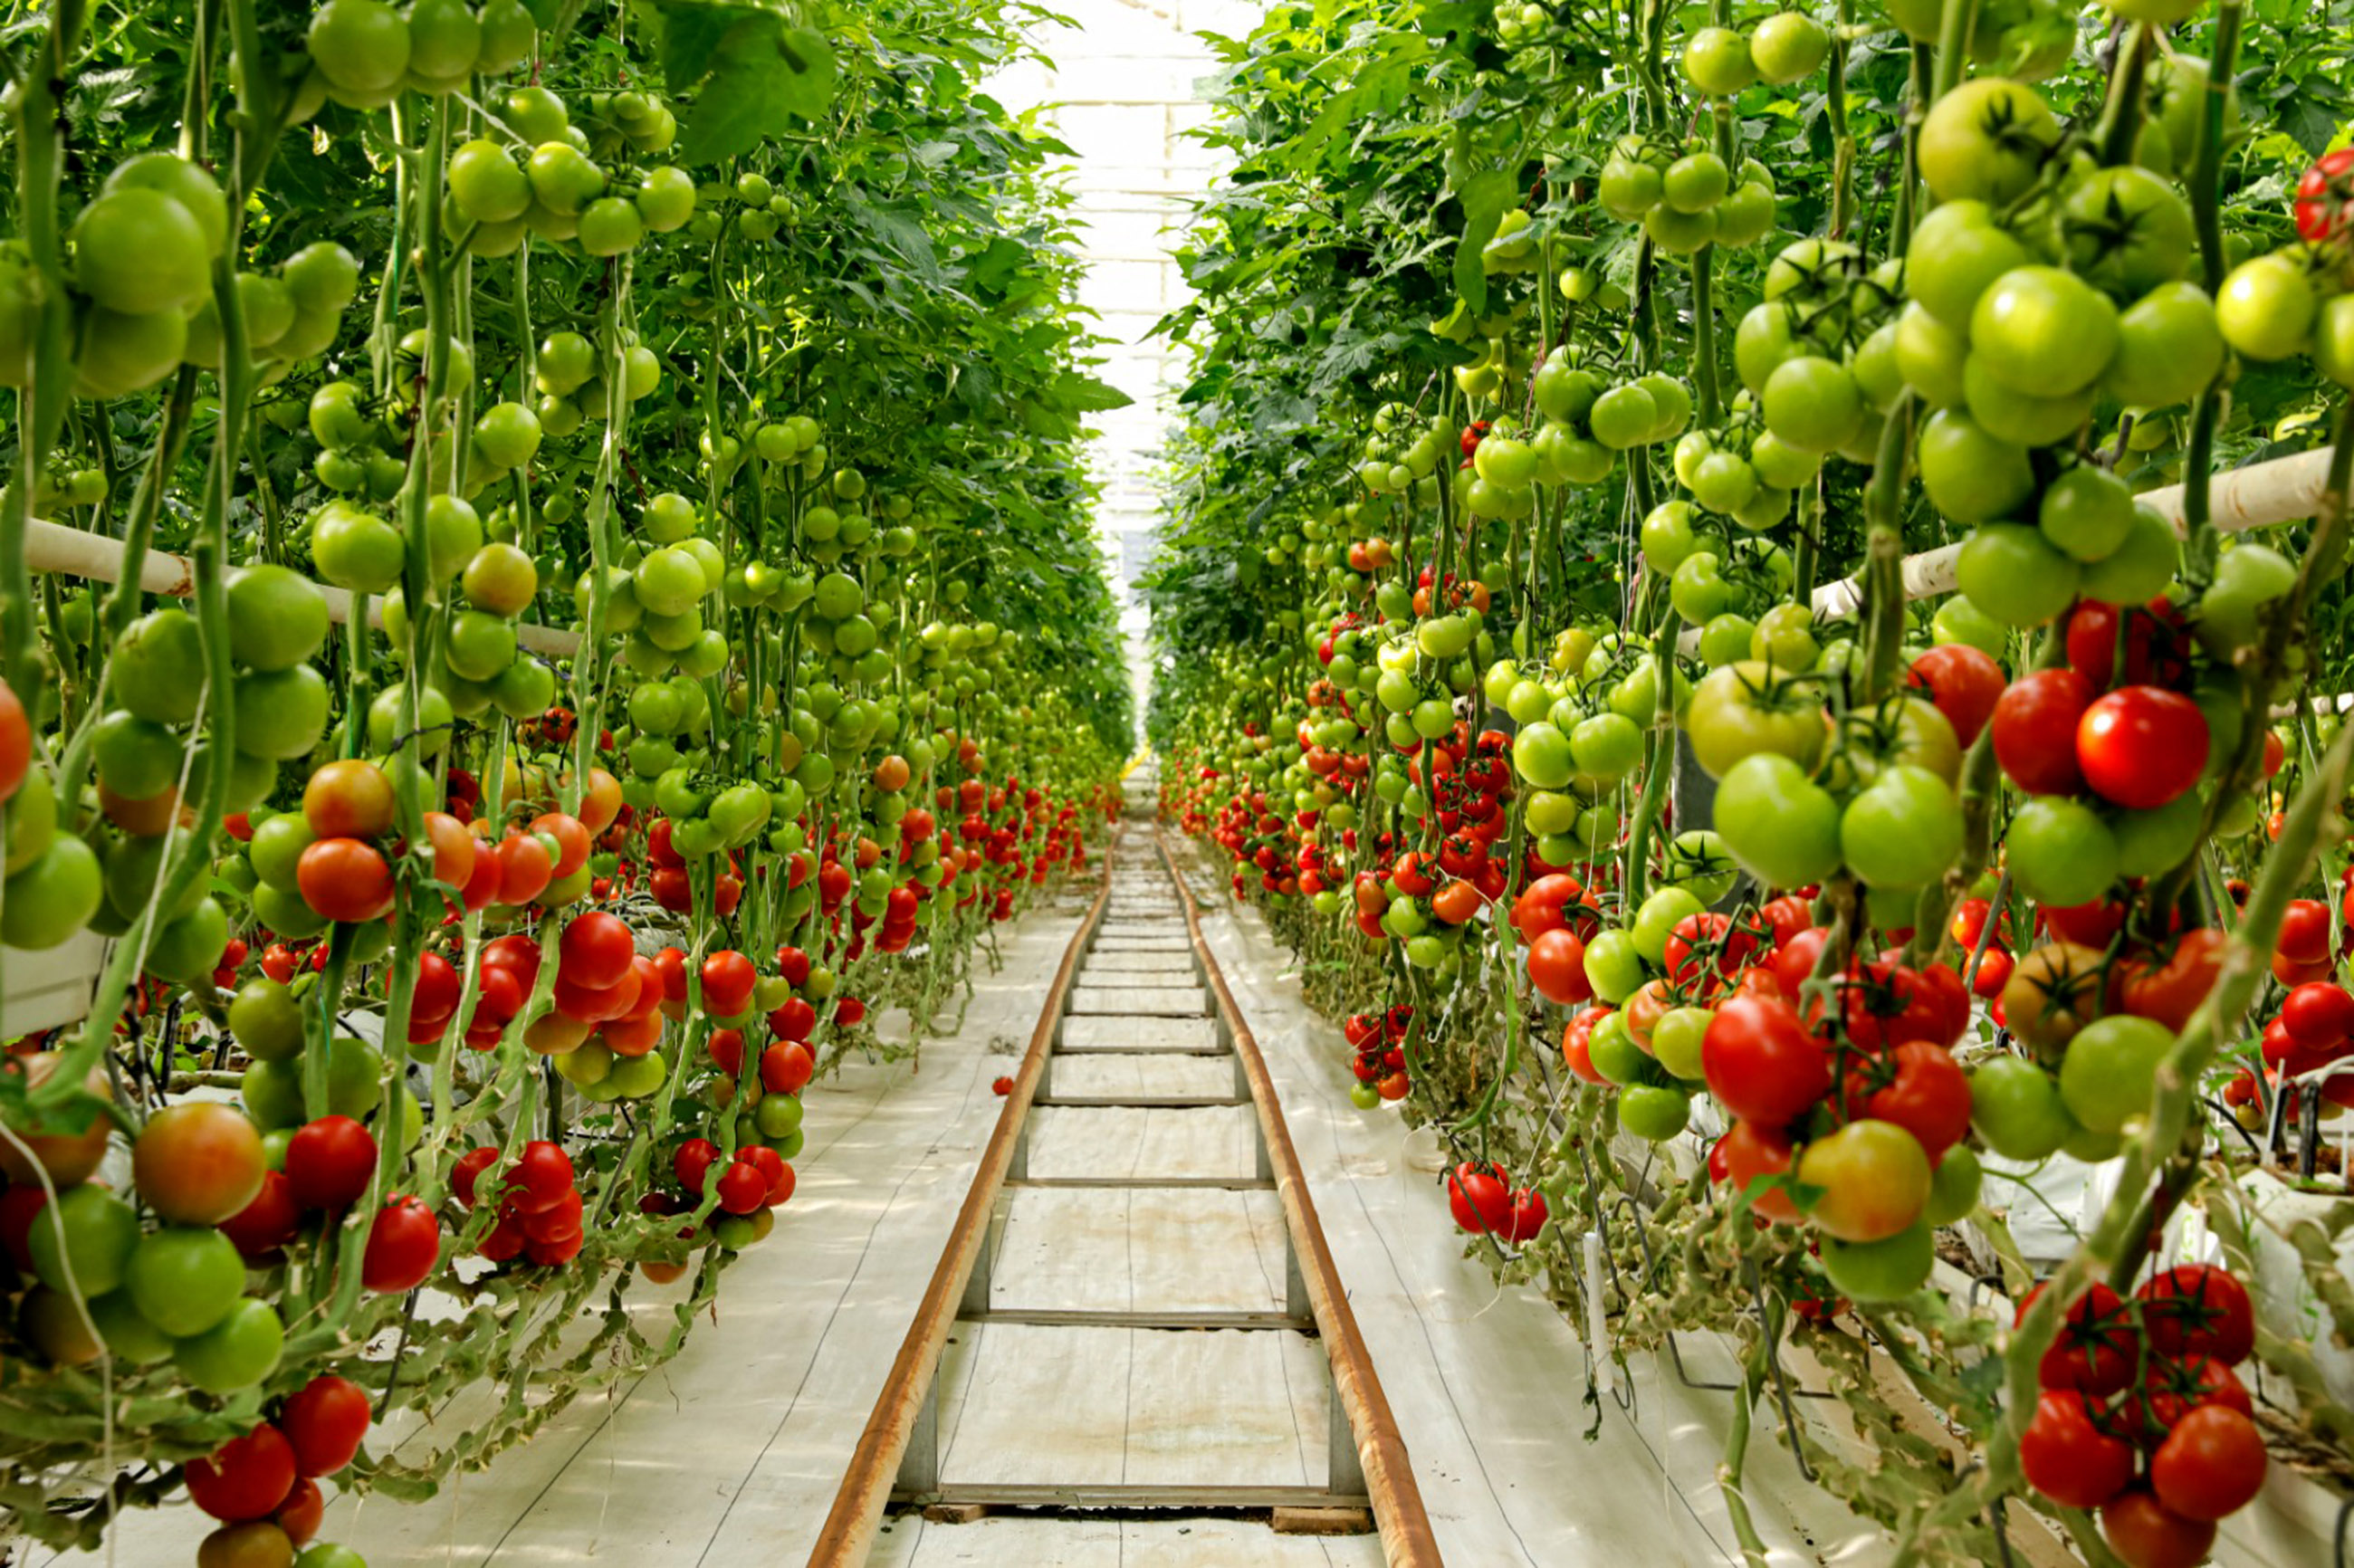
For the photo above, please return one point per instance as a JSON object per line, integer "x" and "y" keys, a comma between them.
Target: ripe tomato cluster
{"x": 1378, "y": 1044}
{"x": 1481, "y": 1197}
{"x": 264, "y": 1488}
{"x": 540, "y": 1213}
{"x": 2142, "y": 1416}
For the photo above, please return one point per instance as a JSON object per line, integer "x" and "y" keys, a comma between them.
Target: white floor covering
{"x": 1140, "y": 1249}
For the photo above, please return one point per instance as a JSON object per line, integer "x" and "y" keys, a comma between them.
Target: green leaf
{"x": 1484, "y": 196}
{"x": 1083, "y": 394}
{"x": 808, "y": 87}
{"x": 757, "y": 74}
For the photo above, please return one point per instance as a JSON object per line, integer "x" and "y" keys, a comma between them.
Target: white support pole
{"x": 53, "y": 547}
{"x": 2258, "y": 496}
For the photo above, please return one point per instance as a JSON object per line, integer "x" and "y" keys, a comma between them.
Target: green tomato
{"x": 1675, "y": 1039}
{"x": 185, "y": 1278}
{"x": 2017, "y": 1110}
{"x": 1970, "y": 475}
{"x": 1953, "y": 1188}
{"x": 83, "y": 1243}
{"x": 1606, "y": 746}
{"x": 1614, "y": 965}
{"x": 1543, "y": 756}
{"x": 1886, "y": 1270}
{"x": 1744, "y": 708}
{"x": 1615, "y": 1054}
{"x": 1784, "y": 637}
{"x": 237, "y": 1352}
{"x": 2140, "y": 568}
{"x": 1654, "y": 1112}
{"x": 2110, "y": 1073}
{"x": 1777, "y": 822}
{"x": 2015, "y": 575}
{"x": 2061, "y": 851}
{"x": 2152, "y": 843}
{"x": 1656, "y": 921}
{"x": 1903, "y": 830}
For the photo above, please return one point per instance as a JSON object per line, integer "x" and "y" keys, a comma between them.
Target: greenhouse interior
{"x": 1177, "y": 784}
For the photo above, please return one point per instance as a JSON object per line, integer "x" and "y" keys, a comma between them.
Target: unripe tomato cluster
{"x": 1685, "y": 197}
{"x": 364, "y": 53}
{"x": 144, "y": 251}
{"x": 549, "y": 185}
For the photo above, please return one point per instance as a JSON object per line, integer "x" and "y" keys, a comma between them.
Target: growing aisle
{"x": 1139, "y": 1328}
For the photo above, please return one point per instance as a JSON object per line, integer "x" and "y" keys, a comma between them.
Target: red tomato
{"x": 571, "y": 838}
{"x": 1749, "y": 1151}
{"x": 634, "y": 1035}
{"x": 1557, "y": 967}
{"x": 2169, "y": 993}
{"x": 1917, "y": 1085}
{"x": 2146, "y": 1533}
{"x": 1698, "y": 935}
{"x": 1479, "y": 1198}
{"x": 2199, "y": 1309}
{"x": 2153, "y": 649}
{"x": 245, "y": 1477}
{"x": 727, "y": 980}
{"x": 2210, "y": 1465}
{"x": 482, "y": 889}
{"x": 585, "y": 1006}
{"x": 343, "y": 879}
{"x": 2094, "y": 1351}
{"x": 785, "y": 1067}
{"x": 455, "y": 850}
{"x": 267, "y": 1222}
{"x": 16, "y": 742}
{"x": 541, "y": 1176}
{"x": 403, "y": 1245}
{"x": 325, "y": 1421}
{"x": 693, "y": 1162}
{"x": 1546, "y": 905}
{"x": 329, "y": 1162}
{"x": 1887, "y": 1003}
{"x": 2304, "y": 932}
{"x": 2140, "y": 746}
{"x": 2086, "y": 925}
{"x": 2319, "y": 1015}
{"x": 465, "y": 1177}
{"x": 742, "y": 1189}
{"x": 2325, "y": 197}
{"x": 303, "y": 1511}
{"x": 2172, "y": 1389}
{"x": 436, "y": 996}
{"x": 1964, "y": 684}
{"x": 1762, "y": 1063}
{"x": 2068, "y": 1457}
{"x": 595, "y": 950}
{"x": 2035, "y": 724}
{"x": 1526, "y": 1217}
{"x": 1575, "y": 1039}
{"x": 525, "y": 868}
